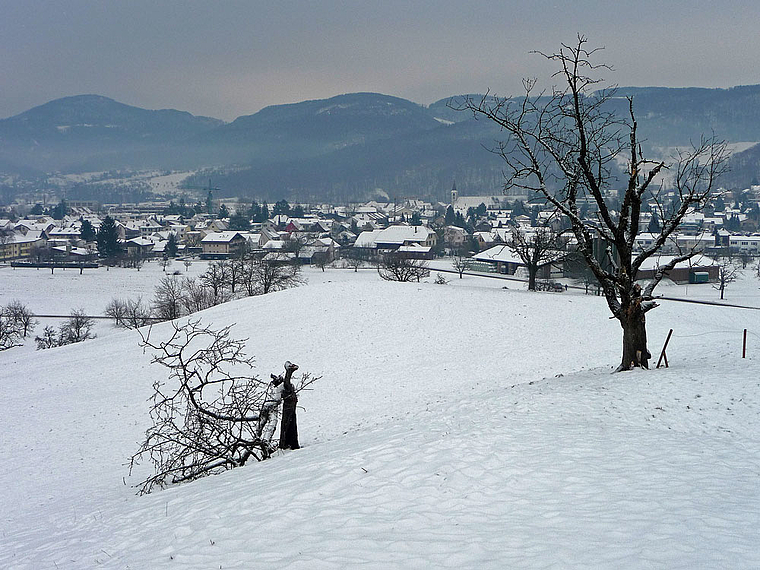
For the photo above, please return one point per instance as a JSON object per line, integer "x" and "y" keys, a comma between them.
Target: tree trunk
{"x": 532, "y": 272}
{"x": 634, "y": 325}
{"x": 288, "y": 425}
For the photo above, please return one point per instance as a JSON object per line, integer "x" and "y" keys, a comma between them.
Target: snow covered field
{"x": 457, "y": 426}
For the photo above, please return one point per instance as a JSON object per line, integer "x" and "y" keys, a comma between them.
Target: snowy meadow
{"x": 455, "y": 426}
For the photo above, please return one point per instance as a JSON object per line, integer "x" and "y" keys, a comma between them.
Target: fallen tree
{"x": 211, "y": 414}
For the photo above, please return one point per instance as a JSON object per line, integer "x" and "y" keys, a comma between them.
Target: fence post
{"x": 744, "y": 345}
{"x": 662, "y": 354}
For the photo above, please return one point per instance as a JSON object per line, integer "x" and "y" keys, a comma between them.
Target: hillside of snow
{"x": 458, "y": 426}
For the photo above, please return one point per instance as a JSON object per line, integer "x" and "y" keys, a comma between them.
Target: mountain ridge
{"x": 340, "y": 147}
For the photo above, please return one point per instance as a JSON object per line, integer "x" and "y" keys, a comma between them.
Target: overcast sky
{"x": 230, "y": 58}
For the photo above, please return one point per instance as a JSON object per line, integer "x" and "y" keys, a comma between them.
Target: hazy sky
{"x": 230, "y": 58}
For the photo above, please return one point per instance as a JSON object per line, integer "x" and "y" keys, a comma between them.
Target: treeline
{"x": 225, "y": 280}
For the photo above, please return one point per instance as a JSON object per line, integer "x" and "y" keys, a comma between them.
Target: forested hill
{"x": 340, "y": 148}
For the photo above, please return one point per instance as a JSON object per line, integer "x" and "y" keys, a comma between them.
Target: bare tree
{"x": 235, "y": 272}
{"x": 726, "y": 274}
{"x": 320, "y": 259}
{"x": 130, "y": 313}
{"x": 395, "y": 267}
{"x": 195, "y": 297}
{"x": 211, "y": 414}
{"x": 165, "y": 262}
{"x": 217, "y": 279}
{"x": 48, "y": 339}
{"x": 564, "y": 145}
{"x": 135, "y": 259}
{"x": 275, "y": 273}
{"x": 117, "y": 310}
{"x": 187, "y": 262}
{"x": 535, "y": 248}
{"x": 77, "y": 328}
{"x": 248, "y": 280}
{"x": 356, "y": 257}
{"x": 462, "y": 262}
{"x": 6, "y": 237}
{"x": 138, "y": 314}
{"x": 10, "y": 333}
{"x": 167, "y": 301}
{"x": 20, "y": 314}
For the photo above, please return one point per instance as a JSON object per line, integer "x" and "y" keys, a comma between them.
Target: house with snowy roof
{"x": 71, "y": 253}
{"x": 745, "y": 244}
{"x": 219, "y": 245}
{"x": 139, "y": 247}
{"x": 41, "y": 225}
{"x": 486, "y": 240}
{"x": 60, "y": 236}
{"x": 415, "y": 251}
{"x": 454, "y": 236}
{"x": 21, "y": 246}
{"x": 699, "y": 269}
{"x": 503, "y": 259}
{"x": 394, "y": 237}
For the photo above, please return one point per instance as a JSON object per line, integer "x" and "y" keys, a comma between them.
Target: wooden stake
{"x": 744, "y": 345}
{"x": 662, "y": 354}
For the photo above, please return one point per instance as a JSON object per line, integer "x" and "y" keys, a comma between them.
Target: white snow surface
{"x": 458, "y": 426}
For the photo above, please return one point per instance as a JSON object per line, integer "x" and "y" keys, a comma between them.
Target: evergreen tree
{"x": 297, "y": 211}
{"x": 86, "y": 231}
{"x": 240, "y": 222}
{"x": 171, "y": 246}
{"x": 108, "y": 239}
{"x": 416, "y": 219}
{"x": 37, "y": 210}
{"x": 210, "y": 203}
{"x": 254, "y": 213}
{"x": 223, "y": 211}
{"x": 733, "y": 224}
{"x": 264, "y": 212}
{"x": 450, "y": 217}
{"x": 281, "y": 207}
{"x": 60, "y": 211}
{"x": 654, "y": 224}
{"x": 519, "y": 209}
{"x": 534, "y": 216}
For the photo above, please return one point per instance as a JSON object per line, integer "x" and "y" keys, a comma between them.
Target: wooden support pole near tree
{"x": 664, "y": 356}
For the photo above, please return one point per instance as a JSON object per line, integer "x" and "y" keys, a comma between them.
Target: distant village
{"x": 480, "y": 229}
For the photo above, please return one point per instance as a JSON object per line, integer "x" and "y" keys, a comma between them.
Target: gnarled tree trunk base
{"x": 635, "y": 352}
